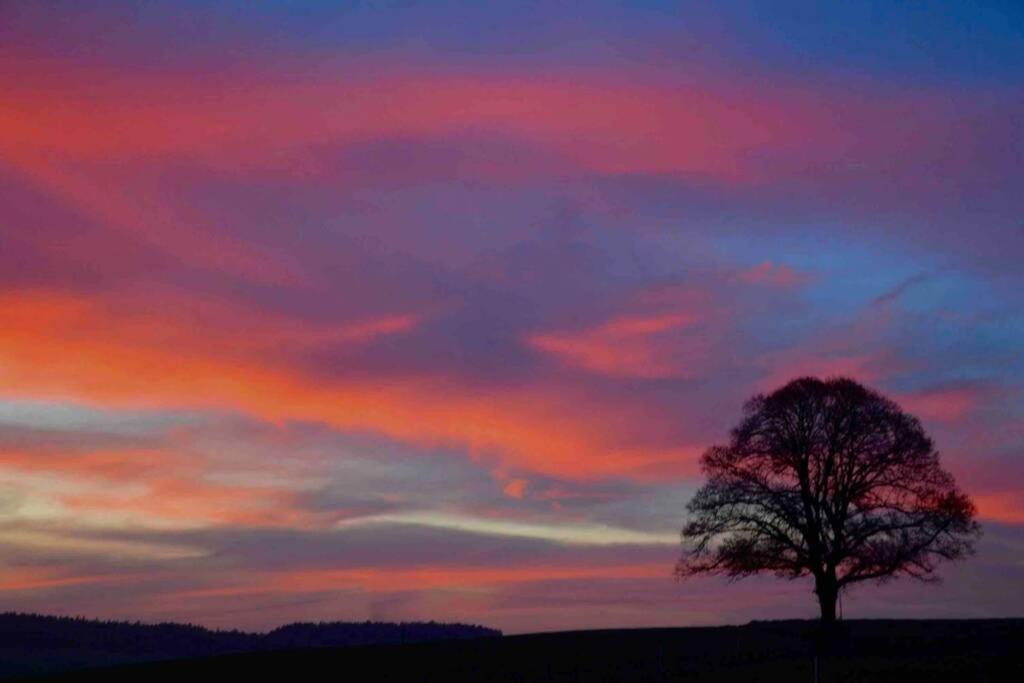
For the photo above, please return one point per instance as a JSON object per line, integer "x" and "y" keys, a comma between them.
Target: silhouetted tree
{"x": 831, "y": 480}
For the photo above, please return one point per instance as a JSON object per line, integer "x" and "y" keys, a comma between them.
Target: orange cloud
{"x": 60, "y": 346}
{"x": 117, "y": 466}
{"x": 376, "y": 579}
{"x": 515, "y": 488}
{"x": 1005, "y": 506}
{"x": 18, "y": 579}
{"x": 189, "y": 500}
{"x": 150, "y": 487}
{"x": 620, "y": 347}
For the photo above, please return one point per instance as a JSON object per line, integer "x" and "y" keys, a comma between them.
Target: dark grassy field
{"x": 43, "y": 644}
{"x": 961, "y": 650}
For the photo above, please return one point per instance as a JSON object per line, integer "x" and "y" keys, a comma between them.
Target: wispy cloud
{"x": 574, "y": 534}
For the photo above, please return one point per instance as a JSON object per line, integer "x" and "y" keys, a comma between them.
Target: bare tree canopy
{"x": 826, "y": 479}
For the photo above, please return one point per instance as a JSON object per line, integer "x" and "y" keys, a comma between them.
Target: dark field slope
{"x": 969, "y": 650}
{"x": 32, "y": 643}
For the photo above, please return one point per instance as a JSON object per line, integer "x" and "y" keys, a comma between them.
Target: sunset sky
{"x": 410, "y": 310}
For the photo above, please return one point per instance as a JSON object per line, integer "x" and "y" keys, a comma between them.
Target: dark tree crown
{"x": 828, "y": 479}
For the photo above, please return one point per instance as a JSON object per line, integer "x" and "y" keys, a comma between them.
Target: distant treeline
{"x": 881, "y": 651}
{"x": 34, "y": 643}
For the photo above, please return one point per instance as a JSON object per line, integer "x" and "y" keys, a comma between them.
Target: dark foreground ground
{"x": 43, "y": 644}
{"x": 932, "y": 651}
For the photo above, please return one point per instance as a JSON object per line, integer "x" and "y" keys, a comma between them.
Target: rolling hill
{"x": 884, "y": 650}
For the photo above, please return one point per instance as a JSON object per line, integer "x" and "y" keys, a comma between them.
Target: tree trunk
{"x": 827, "y": 592}
{"x": 828, "y": 607}
{"x": 827, "y": 589}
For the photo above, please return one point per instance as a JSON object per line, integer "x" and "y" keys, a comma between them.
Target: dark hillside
{"x": 761, "y": 651}
{"x": 306, "y": 635}
{"x": 36, "y": 644}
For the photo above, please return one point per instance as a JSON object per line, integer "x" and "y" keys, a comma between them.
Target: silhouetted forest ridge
{"x": 33, "y": 643}
{"x": 878, "y": 651}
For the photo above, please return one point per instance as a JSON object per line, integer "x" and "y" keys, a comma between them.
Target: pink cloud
{"x": 122, "y": 358}
{"x": 776, "y": 275}
{"x": 33, "y": 578}
{"x": 1006, "y": 506}
{"x": 863, "y": 367}
{"x": 515, "y": 488}
{"x": 614, "y": 124}
{"x": 625, "y": 346}
{"x": 945, "y": 404}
